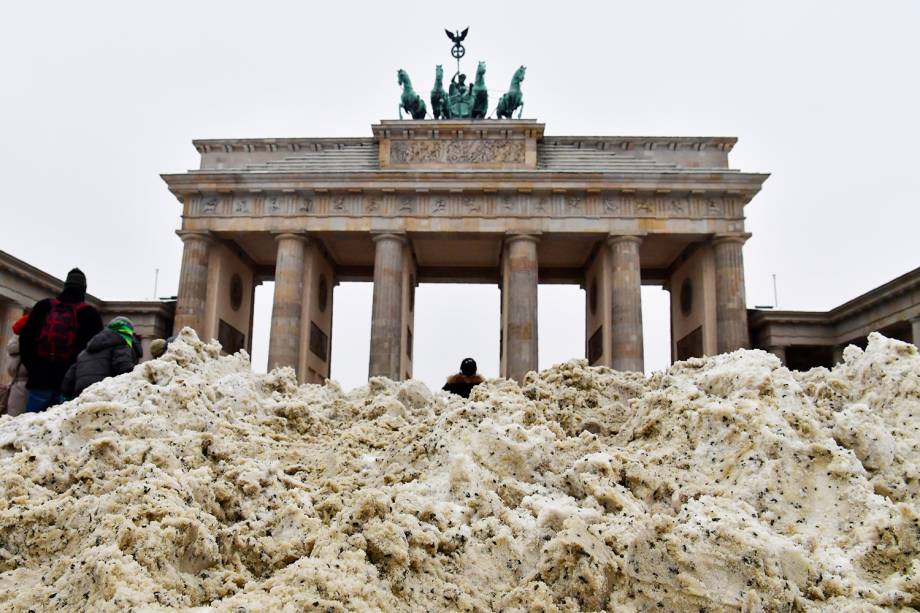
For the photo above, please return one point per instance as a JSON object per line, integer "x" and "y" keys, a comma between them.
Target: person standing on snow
{"x": 57, "y": 330}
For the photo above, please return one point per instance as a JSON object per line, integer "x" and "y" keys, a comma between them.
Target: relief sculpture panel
{"x": 457, "y": 152}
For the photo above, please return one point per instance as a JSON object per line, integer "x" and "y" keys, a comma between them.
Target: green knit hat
{"x": 124, "y": 327}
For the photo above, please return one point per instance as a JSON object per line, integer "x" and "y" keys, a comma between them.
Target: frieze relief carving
{"x": 438, "y": 205}
{"x": 457, "y": 152}
{"x": 209, "y": 205}
{"x": 613, "y": 206}
{"x": 406, "y": 205}
{"x": 373, "y": 205}
{"x": 494, "y": 204}
{"x": 679, "y": 207}
{"x": 714, "y": 207}
{"x": 242, "y": 205}
{"x": 645, "y": 206}
{"x": 273, "y": 204}
{"x": 306, "y": 204}
{"x": 471, "y": 205}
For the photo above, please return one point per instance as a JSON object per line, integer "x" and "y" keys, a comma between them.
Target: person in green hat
{"x": 112, "y": 352}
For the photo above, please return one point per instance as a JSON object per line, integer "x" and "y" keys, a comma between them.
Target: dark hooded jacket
{"x": 461, "y": 384}
{"x": 44, "y": 374}
{"x": 106, "y": 355}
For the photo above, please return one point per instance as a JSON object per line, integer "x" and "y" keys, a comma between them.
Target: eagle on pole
{"x": 457, "y": 37}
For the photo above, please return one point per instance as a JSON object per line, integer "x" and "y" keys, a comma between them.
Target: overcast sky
{"x": 98, "y": 98}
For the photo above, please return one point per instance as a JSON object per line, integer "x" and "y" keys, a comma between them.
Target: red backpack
{"x": 57, "y": 341}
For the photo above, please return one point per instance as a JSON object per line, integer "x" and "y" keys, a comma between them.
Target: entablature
{"x": 482, "y": 203}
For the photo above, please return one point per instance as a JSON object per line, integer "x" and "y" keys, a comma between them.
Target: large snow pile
{"x": 721, "y": 484}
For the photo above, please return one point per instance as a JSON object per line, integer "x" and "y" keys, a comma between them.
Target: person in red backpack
{"x": 57, "y": 330}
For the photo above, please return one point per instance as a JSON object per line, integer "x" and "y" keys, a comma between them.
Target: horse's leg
{"x": 400, "y": 111}
{"x": 521, "y": 112}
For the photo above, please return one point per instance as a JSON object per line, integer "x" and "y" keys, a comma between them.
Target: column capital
{"x": 392, "y": 236}
{"x": 511, "y": 237}
{"x": 613, "y": 239}
{"x": 291, "y": 236}
{"x": 734, "y": 237}
{"x": 200, "y": 235}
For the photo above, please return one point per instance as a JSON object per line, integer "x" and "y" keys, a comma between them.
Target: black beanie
{"x": 75, "y": 280}
{"x": 468, "y": 367}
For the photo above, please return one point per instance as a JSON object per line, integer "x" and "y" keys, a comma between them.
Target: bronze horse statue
{"x": 410, "y": 101}
{"x": 439, "y": 108}
{"x": 513, "y": 98}
{"x": 480, "y": 93}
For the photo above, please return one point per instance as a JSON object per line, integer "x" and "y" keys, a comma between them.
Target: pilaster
{"x": 599, "y": 309}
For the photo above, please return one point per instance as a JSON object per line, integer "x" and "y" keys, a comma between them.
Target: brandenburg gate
{"x": 464, "y": 201}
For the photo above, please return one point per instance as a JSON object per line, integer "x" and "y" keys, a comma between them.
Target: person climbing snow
{"x": 464, "y": 381}
{"x": 110, "y": 353}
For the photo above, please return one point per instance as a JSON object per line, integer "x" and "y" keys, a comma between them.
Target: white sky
{"x": 98, "y": 98}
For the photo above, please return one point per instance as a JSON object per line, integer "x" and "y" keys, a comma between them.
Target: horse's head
{"x": 438, "y": 72}
{"x": 519, "y": 73}
{"x": 481, "y": 70}
{"x": 402, "y": 77}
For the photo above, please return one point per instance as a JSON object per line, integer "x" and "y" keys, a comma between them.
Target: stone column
{"x": 731, "y": 309}
{"x": 627, "y": 303}
{"x": 520, "y": 337}
{"x": 779, "y": 352}
{"x": 193, "y": 282}
{"x": 386, "y": 317}
{"x": 284, "y": 339}
{"x": 915, "y": 331}
{"x": 837, "y": 354}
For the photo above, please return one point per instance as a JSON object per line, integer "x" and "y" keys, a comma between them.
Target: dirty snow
{"x": 722, "y": 484}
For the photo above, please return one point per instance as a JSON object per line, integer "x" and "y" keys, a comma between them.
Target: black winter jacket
{"x": 106, "y": 355}
{"x": 462, "y": 385}
{"x": 48, "y": 375}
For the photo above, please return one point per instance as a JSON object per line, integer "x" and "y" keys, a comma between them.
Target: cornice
{"x": 747, "y": 184}
{"x": 607, "y": 143}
